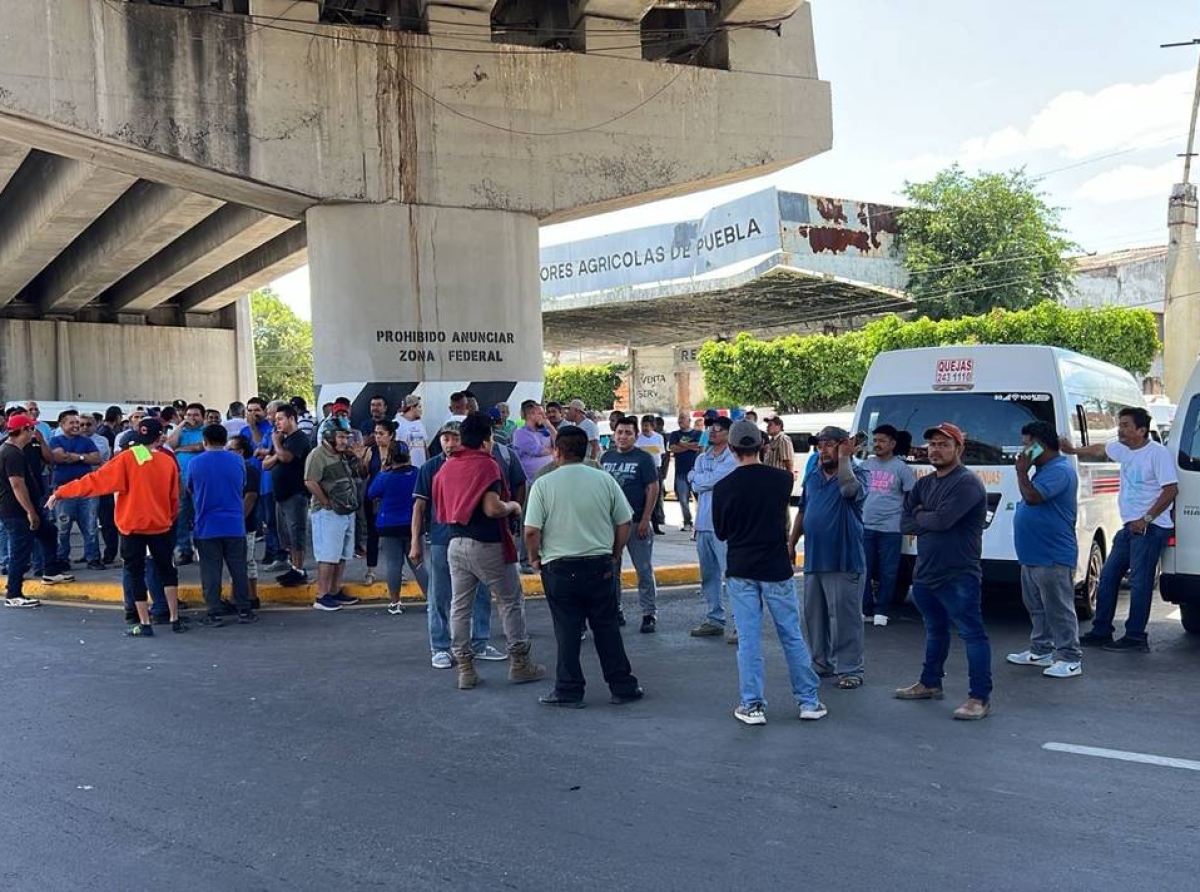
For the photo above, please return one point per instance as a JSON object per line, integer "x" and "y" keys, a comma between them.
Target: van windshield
{"x": 992, "y": 422}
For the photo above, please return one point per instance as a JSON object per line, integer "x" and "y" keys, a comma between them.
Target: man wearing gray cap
{"x": 750, "y": 514}
{"x": 577, "y": 415}
{"x": 830, "y": 519}
{"x": 712, "y": 466}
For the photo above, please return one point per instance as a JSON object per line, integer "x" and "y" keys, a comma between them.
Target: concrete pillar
{"x": 1181, "y": 316}
{"x": 64, "y": 379}
{"x": 612, "y": 37}
{"x": 247, "y": 365}
{"x": 427, "y": 300}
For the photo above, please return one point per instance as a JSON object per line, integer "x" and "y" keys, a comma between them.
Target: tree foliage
{"x": 283, "y": 348}
{"x": 976, "y": 243}
{"x": 821, "y": 373}
{"x": 596, "y": 385}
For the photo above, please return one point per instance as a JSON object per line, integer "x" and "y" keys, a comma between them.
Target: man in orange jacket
{"x": 146, "y": 482}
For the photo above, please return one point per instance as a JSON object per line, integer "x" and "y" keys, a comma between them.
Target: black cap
{"x": 148, "y": 431}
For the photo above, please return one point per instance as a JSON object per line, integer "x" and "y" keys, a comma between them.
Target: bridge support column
{"x": 427, "y": 300}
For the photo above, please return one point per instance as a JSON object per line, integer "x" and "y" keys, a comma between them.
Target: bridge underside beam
{"x": 11, "y": 157}
{"x": 50, "y": 201}
{"x": 281, "y": 255}
{"x": 145, "y": 220}
{"x": 216, "y": 242}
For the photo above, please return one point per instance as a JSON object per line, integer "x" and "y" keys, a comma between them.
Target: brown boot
{"x": 468, "y": 678}
{"x": 918, "y": 691}
{"x": 521, "y": 667}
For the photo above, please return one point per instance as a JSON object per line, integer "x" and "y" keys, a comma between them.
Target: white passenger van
{"x": 991, "y": 392}
{"x": 1179, "y": 582}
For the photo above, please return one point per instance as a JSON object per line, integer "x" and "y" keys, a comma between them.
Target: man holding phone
{"x": 1044, "y": 535}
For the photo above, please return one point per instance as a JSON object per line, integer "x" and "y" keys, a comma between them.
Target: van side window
{"x": 1102, "y": 398}
{"x": 1187, "y": 436}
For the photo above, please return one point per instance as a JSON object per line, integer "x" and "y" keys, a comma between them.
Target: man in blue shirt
{"x": 75, "y": 456}
{"x": 187, "y": 442}
{"x": 424, "y": 523}
{"x": 257, "y": 433}
{"x": 830, "y": 519}
{"x": 712, "y": 466}
{"x": 216, "y": 485}
{"x": 1044, "y": 535}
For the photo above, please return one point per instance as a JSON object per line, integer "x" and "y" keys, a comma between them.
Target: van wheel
{"x": 1085, "y": 592}
{"x": 1189, "y": 615}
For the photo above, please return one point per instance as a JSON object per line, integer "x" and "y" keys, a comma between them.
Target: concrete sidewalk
{"x": 674, "y": 564}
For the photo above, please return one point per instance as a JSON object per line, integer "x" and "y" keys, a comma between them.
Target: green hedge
{"x": 820, "y": 373}
{"x": 596, "y": 385}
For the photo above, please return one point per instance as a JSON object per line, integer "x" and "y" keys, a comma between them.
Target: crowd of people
{"x": 487, "y": 499}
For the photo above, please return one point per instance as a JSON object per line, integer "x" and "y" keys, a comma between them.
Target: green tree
{"x": 596, "y": 385}
{"x": 283, "y": 348}
{"x": 823, "y": 372}
{"x": 976, "y": 243}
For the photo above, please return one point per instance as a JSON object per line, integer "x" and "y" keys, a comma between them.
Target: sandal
{"x": 850, "y": 682}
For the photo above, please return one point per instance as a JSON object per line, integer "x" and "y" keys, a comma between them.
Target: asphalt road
{"x": 321, "y": 752}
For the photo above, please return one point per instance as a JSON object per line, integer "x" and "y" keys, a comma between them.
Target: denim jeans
{"x": 1138, "y": 556}
{"x": 183, "y": 522}
{"x": 576, "y": 593}
{"x": 883, "y": 564}
{"x": 82, "y": 512}
{"x": 641, "y": 553}
{"x": 3, "y": 545}
{"x": 438, "y": 594}
{"x": 956, "y": 602}
{"x": 266, "y": 516}
{"x": 108, "y": 528}
{"x": 229, "y": 551}
{"x": 683, "y": 495}
{"x": 21, "y": 541}
{"x": 711, "y": 551}
{"x": 747, "y": 597}
{"x": 395, "y": 553}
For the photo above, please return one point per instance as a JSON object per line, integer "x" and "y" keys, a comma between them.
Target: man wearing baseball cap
{"x": 830, "y": 519}
{"x": 712, "y": 466}
{"x": 146, "y": 481}
{"x": 410, "y": 430}
{"x": 20, "y": 508}
{"x": 946, "y": 512}
{"x": 577, "y": 415}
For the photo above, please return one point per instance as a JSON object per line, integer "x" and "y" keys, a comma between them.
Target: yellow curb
{"x": 113, "y": 593}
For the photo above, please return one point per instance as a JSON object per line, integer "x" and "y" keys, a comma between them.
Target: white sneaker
{"x": 1029, "y": 658}
{"x": 490, "y": 653}
{"x": 868, "y": 619}
{"x": 442, "y": 660}
{"x": 1063, "y": 669}
{"x": 813, "y": 711}
{"x": 395, "y": 609}
{"x": 753, "y": 714}
{"x": 21, "y": 602}
{"x": 880, "y": 619}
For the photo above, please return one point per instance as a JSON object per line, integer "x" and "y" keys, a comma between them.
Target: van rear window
{"x": 1186, "y": 437}
{"x": 992, "y": 422}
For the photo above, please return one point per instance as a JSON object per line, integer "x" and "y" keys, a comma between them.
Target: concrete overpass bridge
{"x": 158, "y": 160}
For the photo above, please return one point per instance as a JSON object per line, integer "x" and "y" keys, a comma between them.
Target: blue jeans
{"x": 3, "y": 545}
{"x": 957, "y": 601}
{"x": 19, "y": 539}
{"x": 683, "y": 495}
{"x": 84, "y": 513}
{"x": 883, "y": 563}
{"x": 266, "y": 516}
{"x": 711, "y": 551}
{"x": 747, "y": 598}
{"x": 183, "y": 522}
{"x": 438, "y": 597}
{"x": 1138, "y": 556}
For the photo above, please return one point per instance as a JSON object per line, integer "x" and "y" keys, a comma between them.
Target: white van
{"x": 991, "y": 392}
{"x": 1179, "y": 582}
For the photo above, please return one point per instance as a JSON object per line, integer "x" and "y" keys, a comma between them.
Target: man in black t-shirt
{"x": 21, "y": 508}
{"x": 636, "y": 472}
{"x": 750, "y": 514}
{"x": 289, "y": 451}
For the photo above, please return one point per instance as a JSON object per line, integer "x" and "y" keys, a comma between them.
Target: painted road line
{"x": 1122, "y": 756}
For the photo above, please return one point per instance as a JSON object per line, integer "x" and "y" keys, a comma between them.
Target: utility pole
{"x": 1181, "y": 307}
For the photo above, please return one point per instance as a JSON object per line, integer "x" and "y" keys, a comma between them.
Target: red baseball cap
{"x": 341, "y": 404}
{"x": 947, "y": 429}
{"x": 19, "y": 422}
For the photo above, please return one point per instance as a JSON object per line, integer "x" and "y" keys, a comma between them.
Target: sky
{"x": 1076, "y": 92}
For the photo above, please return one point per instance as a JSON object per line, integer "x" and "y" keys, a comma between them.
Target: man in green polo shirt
{"x": 576, "y": 526}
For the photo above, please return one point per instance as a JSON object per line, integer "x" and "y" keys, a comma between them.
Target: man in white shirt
{"x": 1149, "y": 484}
{"x": 654, "y": 444}
{"x": 577, "y": 415}
{"x": 410, "y": 430}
